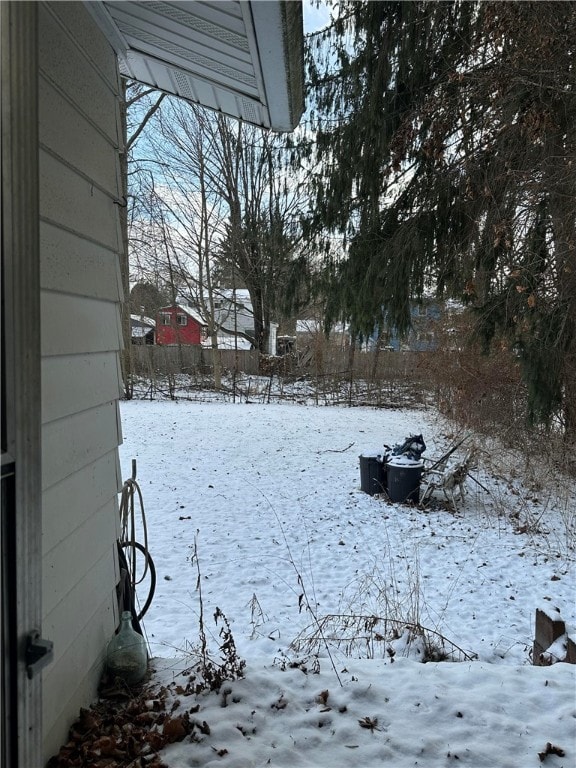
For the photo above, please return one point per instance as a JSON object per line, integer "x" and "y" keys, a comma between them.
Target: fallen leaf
{"x": 280, "y": 704}
{"x": 550, "y": 749}
{"x": 106, "y": 745}
{"x": 156, "y": 740}
{"x": 204, "y": 728}
{"x": 174, "y": 729}
{"x": 369, "y": 722}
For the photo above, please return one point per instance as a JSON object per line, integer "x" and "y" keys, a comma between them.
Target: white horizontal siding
{"x": 72, "y": 16}
{"x": 67, "y": 198}
{"x": 90, "y": 486}
{"x": 72, "y": 383}
{"x": 81, "y": 146}
{"x": 67, "y": 564}
{"x": 75, "y": 324}
{"x": 70, "y": 444}
{"x": 72, "y": 680}
{"x": 72, "y": 54}
{"x": 80, "y": 241}
{"x": 71, "y": 264}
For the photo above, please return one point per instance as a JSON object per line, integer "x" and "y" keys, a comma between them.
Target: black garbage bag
{"x": 413, "y": 447}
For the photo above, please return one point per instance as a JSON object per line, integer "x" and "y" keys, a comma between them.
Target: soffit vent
{"x": 241, "y": 57}
{"x": 199, "y": 25}
{"x": 159, "y": 44}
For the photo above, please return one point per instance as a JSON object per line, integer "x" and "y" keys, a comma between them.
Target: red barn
{"x": 179, "y": 325}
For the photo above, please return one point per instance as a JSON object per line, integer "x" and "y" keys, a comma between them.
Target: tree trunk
{"x": 216, "y": 361}
{"x": 351, "y": 356}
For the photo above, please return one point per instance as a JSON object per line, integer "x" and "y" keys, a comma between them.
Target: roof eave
{"x": 241, "y": 57}
{"x": 281, "y": 59}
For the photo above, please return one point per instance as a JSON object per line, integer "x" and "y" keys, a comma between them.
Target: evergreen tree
{"x": 443, "y": 155}
{"x": 146, "y": 299}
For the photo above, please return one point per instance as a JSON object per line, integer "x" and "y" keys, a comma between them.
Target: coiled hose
{"x": 128, "y": 548}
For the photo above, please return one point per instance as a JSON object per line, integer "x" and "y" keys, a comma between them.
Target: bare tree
{"x": 136, "y": 110}
{"x": 176, "y": 232}
{"x": 233, "y": 206}
{"x": 263, "y": 237}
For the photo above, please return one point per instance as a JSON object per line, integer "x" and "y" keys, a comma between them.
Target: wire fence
{"x": 483, "y": 393}
{"x": 326, "y": 375}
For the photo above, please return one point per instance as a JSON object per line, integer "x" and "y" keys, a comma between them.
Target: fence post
{"x": 549, "y": 627}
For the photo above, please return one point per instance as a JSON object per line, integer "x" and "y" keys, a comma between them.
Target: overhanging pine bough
{"x": 444, "y": 155}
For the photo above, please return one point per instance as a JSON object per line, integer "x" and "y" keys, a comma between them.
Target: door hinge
{"x": 39, "y": 653}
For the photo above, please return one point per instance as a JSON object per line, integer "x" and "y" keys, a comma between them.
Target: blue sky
{"x": 315, "y": 18}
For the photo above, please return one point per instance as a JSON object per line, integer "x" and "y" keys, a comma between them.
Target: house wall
{"x": 81, "y": 336}
{"x": 424, "y": 319}
{"x": 235, "y": 312}
{"x": 191, "y": 333}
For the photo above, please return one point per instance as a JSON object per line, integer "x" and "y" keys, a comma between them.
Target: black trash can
{"x": 372, "y": 474}
{"x": 403, "y": 481}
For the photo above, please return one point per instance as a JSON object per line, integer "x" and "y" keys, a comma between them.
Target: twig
{"x": 447, "y": 454}
{"x": 201, "y": 630}
{"x": 337, "y": 450}
{"x": 478, "y": 482}
{"x": 360, "y": 624}
{"x": 303, "y": 600}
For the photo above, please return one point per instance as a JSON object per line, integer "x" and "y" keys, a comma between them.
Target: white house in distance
{"x": 234, "y": 316}
{"x": 233, "y": 310}
{"x": 61, "y": 298}
{"x": 142, "y": 329}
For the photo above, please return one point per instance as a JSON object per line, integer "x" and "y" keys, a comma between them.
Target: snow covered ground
{"x": 261, "y": 504}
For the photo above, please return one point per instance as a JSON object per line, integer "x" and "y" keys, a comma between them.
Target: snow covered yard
{"x": 262, "y": 504}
